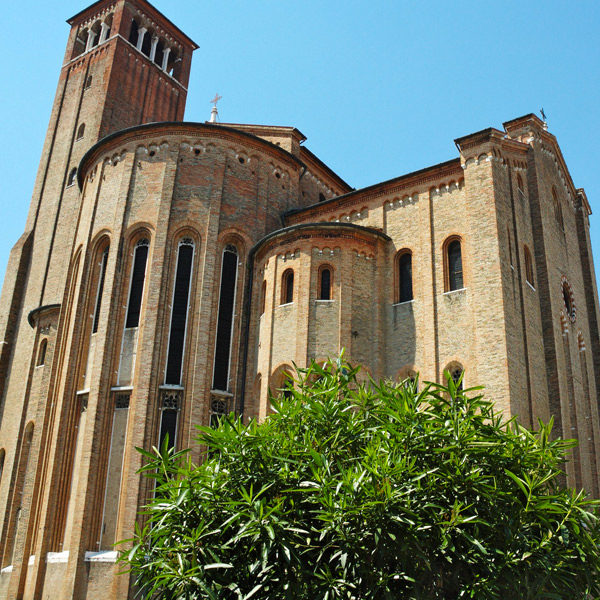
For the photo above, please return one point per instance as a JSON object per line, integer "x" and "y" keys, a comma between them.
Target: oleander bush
{"x": 367, "y": 492}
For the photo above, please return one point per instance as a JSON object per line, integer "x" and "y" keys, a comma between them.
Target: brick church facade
{"x": 170, "y": 272}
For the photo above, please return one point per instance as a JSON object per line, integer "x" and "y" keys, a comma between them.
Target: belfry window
{"x": 225, "y": 317}
{"x": 454, "y": 267}
{"x": 404, "y": 266}
{"x": 325, "y": 283}
{"x": 98, "y": 303}
{"x": 136, "y": 289}
{"x": 287, "y": 286}
{"x": 179, "y": 311}
{"x": 133, "y": 32}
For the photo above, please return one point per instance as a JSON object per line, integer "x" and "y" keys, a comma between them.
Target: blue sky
{"x": 379, "y": 88}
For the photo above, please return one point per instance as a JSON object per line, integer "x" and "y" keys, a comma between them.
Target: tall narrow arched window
{"x": 404, "y": 275}
{"x": 455, "y": 370}
{"x": 263, "y": 297}
{"x": 2, "y": 457}
{"x": 453, "y": 263}
{"x": 72, "y": 177}
{"x": 325, "y": 283}
{"x": 80, "y": 132}
{"x": 99, "y": 290}
{"x": 41, "y": 360}
{"x": 287, "y": 286}
{"x": 520, "y": 187}
{"x": 179, "y": 311}
{"x": 229, "y": 268}
{"x": 528, "y": 266}
{"x": 136, "y": 285}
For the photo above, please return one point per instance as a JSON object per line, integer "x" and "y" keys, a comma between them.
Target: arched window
{"x": 520, "y": 187}
{"x": 263, "y": 297}
{"x": 404, "y": 275}
{"x": 282, "y": 382}
{"x": 408, "y": 376}
{"x": 287, "y": 286}
{"x": 80, "y": 132}
{"x": 322, "y": 197}
{"x": 179, "y": 311}
{"x": 100, "y": 289}
{"x": 72, "y": 177}
{"x": 88, "y": 83}
{"x": 455, "y": 370}
{"x": 136, "y": 286}
{"x": 558, "y": 216}
{"x": 42, "y": 352}
{"x": 325, "y": 282}
{"x": 227, "y": 295}
{"x": 453, "y": 263}
{"x": 528, "y": 266}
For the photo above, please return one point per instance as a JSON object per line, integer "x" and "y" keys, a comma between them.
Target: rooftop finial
{"x": 214, "y": 113}
{"x": 544, "y": 118}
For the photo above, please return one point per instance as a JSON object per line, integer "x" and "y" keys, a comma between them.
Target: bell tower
{"x": 125, "y": 64}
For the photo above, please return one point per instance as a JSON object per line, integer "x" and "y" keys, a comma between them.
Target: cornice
{"x": 178, "y": 129}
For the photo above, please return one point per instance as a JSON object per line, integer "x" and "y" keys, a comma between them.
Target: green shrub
{"x": 365, "y": 492}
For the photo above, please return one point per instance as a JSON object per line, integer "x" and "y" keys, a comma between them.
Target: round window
{"x": 567, "y": 294}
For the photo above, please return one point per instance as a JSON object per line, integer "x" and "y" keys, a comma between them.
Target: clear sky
{"x": 379, "y": 88}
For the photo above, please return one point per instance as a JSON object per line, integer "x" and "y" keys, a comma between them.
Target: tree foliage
{"x": 367, "y": 492}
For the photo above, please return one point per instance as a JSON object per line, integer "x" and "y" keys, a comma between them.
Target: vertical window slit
{"x": 179, "y": 310}
{"x": 100, "y": 290}
{"x": 136, "y": 290}
{"x": 455, "y": 269}
{"x": 225, "y": 318}
{"x": 325, "y": 284}
{"x": 405, "y": 288}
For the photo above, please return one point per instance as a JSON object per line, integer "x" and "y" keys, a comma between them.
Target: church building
{"x": 172, "y": 272}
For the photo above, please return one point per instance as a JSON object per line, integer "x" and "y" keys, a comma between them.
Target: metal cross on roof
{"x": 215, "y": 100}
{"x": 543, "y": 115}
